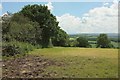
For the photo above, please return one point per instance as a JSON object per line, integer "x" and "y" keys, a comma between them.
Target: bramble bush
{"x": 13, "y": 48}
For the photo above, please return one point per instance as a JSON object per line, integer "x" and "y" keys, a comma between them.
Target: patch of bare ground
{"x": 28, "y": 66}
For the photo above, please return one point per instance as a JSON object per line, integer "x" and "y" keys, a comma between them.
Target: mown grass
{"x": 81, "y": 62}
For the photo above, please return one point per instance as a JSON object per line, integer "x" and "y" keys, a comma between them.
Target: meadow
{"x": 77, "y": 62}
{"x": 64, "y": 62}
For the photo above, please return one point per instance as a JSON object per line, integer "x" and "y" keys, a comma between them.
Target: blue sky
{"x": 60, "y": 8}
{"x": 78, "y": 17}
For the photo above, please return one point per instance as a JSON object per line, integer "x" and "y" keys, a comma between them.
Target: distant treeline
{"x": 93, "y": 36}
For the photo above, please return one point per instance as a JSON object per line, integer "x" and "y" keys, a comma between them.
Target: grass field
{"x": 80, "y": 62}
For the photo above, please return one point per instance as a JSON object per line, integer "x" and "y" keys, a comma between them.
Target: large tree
{"x": 45, "y": 18}
{"x": 103, "y": 41}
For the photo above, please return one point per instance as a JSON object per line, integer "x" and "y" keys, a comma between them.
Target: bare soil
{"x": 28, "y": 66}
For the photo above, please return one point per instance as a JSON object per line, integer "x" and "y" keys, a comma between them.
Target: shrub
{"x": 13, "y": 48}
{"x": 10, "y": 49}
{"x": 82, "y": 42}
{"x": 103, "y": 41}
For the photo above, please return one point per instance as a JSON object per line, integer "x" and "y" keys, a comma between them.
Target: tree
{"x": 46, "y": 20}
{"x": 73, "y": 43}
{"x": 61, "y": 39}
{"x": 24, "y": 30}
{"x": 5, "y": 21}
{"x": 103, "y": 41}
{"x": 82, "y": 42}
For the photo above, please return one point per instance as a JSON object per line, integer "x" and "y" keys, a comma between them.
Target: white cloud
{"x": 105, "y": 4}
{"x": 98, "y": 20}
{"x": 115, "y": 1}
{"x": 69, "y": 23}
{"x": 50, "y": 6}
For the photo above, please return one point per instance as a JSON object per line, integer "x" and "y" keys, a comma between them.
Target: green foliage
{"x": 103, "y": 41}
{"x": 34, "y": 24}
{"x": 61, "y": 39}
{"x": 6, "y": 25}
{"x": 13, "y": 48}
{"x": 18, "y": 33}
{"x": 82, "y": 42}
{"x": 10, "y": 50}
{"x": 5, "y": 28}
{"x": 24, "y": 30}
{"x": 73, "y": 43}
{"x": 46, "y": 20}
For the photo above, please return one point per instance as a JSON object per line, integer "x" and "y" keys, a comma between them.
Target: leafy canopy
{"x": 103, "y": 41}
{"x": 82, "y": 42}
{"x": 46, "y": 20}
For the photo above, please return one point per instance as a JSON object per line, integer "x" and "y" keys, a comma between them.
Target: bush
{"x": 13, "y": 48}
{"x": 103, "y": 41}
{"x": 83, "y": 42}
{"x": 9, "y": 49}
{"x": 73, "y": 43}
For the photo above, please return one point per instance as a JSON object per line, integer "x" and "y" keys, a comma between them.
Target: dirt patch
{"x": 28, "y": 66}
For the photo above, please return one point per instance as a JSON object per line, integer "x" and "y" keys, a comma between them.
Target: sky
{"x": 59, "y": 8}
{"x": 77, "y": 17}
